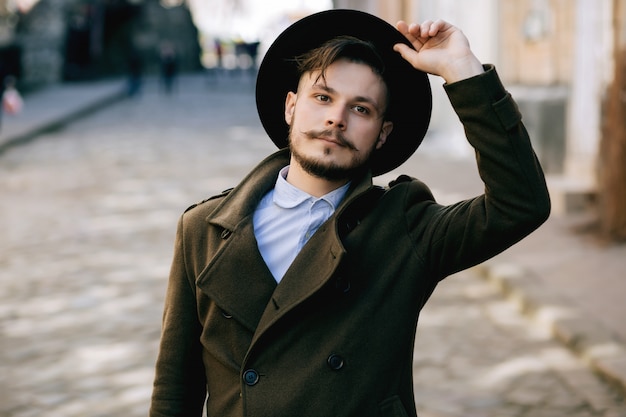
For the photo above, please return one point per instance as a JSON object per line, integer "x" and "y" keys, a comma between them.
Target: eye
{"x": 361, "y": 109}
{"x": 322, "y": 97}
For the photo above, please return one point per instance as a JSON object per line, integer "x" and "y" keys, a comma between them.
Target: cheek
{"x": 368, "y": 134}
{"x": 305, "y": 116}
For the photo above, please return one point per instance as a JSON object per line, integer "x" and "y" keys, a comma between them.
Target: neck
{"x": 310, "y": 184}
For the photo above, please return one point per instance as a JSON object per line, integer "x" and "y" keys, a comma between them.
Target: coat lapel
{"x": 312, "y": 268}
{"x": 238, "y": 279}
{"x": 316, "y": 263}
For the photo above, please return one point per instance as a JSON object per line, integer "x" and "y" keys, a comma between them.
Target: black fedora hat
{"x": 411, "y": 98}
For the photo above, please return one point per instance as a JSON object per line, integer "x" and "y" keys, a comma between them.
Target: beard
{"x": 330, "y": 170}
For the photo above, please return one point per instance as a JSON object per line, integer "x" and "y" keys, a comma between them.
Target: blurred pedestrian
{"x": 169, "y": 65}
{"x": 219, "y": 53}
{"x": 216, "y": 64}
{"x": 3, "y": 75}
{"x": 135, "y": 72}
{"x": 12, "y": 101}
{"x": 252, "y": 49}
{"x": 297, "y": 293}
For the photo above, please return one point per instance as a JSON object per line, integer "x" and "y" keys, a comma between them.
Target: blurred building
{"x": 69, "y": 40}
{"x": 228, "y": 28}
{"x": 555, "y": 56}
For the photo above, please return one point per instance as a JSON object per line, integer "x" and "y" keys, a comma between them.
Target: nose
{"x": 336, "y": 117}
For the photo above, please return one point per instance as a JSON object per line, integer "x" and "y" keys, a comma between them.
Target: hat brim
{"x": 409, "y": 88}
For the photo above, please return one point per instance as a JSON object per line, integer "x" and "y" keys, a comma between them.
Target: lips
{"x": 330, "y": 139}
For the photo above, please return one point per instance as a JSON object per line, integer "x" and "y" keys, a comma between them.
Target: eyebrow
{"x": 360, "y": 99}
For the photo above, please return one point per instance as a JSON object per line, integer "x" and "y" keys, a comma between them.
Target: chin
{"x": 328, "y": 168}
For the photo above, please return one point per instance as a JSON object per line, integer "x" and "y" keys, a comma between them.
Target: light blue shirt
{"x": 285, "y": 220}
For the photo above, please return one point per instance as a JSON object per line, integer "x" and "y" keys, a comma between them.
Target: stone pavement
{"x": 575, "y": 284}
{"x": 88, "y": 212}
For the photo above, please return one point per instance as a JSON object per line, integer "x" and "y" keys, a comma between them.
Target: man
{"x": 298, "y": 292}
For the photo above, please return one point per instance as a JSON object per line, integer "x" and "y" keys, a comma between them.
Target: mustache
{"x": 330, "y": 134}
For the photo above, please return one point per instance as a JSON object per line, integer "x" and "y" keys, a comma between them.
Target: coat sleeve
{"x": 515, "y": 201}
{"x": 179, "y": 385}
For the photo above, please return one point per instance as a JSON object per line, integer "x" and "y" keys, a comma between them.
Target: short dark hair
{"x": 342, "y": 47}
{"x": 349, "y": 47}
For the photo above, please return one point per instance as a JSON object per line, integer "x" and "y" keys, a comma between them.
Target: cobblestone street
{"x": 88, "y": 217}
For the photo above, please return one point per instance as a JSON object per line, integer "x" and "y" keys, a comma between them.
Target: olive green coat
{"x": 335, "y": 337}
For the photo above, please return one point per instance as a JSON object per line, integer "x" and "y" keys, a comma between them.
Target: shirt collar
{"x": 288, "y": 196}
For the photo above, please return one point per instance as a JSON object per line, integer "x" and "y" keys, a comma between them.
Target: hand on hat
{"x": 440, "y": 49}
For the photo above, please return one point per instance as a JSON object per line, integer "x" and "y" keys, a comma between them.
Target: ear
{"x": 385, "y": 130}
{"x": 290, "y": 105}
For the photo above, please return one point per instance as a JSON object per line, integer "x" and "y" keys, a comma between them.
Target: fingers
{"x": 404, "y": 51}
{"x": 430, "y": 29}
{"x": 402, "y": 26}
{"x": 405, "y": 30}
{"x": 423, "y": 31}
{"x": 412, "y": 32}
{"x": 439, "y": 48}
{"x": 417, "y": 35}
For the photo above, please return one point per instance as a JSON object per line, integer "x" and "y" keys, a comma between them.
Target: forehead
{"x": 347, "y": 77}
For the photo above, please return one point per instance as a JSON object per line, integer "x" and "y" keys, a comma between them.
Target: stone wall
{"x": 69, "y": 40}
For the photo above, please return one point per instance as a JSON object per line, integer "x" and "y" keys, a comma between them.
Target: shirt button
{"x": 250, "y": 377}
{"x": 335, "y": 362}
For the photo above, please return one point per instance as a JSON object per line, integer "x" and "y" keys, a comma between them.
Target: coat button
{"x": 335, "y": 362}
{"x": 226, "y": 234}
{"x": 250, "y": 377}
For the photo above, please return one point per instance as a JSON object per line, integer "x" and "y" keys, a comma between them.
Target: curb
{"x": 30, "y": 134}
{"x": 589, "y": 340}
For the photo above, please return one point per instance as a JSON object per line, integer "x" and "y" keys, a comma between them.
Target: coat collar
{"x": 243, "y": 199}
{"x": 238, "y": 278}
